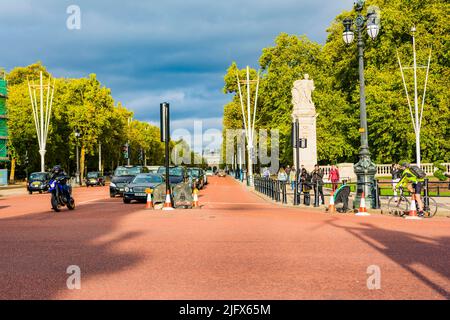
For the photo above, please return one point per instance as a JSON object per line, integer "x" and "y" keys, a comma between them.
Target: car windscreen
{"x": 92, "y": 175}
{"x": 122, "y": 171}
{"x": 194, "y": 172}
{"x": 147, "y": 179}
{"x": 38, "y": 176}
{"x": 177, "y": 171}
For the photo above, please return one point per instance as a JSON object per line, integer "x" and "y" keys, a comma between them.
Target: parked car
{"x": 177, "y": 174}
{"x": 95, "y": 178}
{"x": 123, "y": 175}
{"x": 196, "y": 178}
{"x": 136, "y": 190}
{"x": 38, "y": 182}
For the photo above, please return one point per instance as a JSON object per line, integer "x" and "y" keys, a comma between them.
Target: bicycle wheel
{"x": 430, "y": 212}
{"x": 398, "y": 206}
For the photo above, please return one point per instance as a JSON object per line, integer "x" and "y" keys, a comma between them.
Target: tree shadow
{"x": 36, "y": 249}
{"x": 407, "y": 249}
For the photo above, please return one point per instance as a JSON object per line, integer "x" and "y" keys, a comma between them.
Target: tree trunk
{"x": 13, "y": 171}
{"x": 82, "y": 157}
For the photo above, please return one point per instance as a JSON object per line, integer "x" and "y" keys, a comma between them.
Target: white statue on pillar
{"x": 302, "y": 96}
{"x": 305, "y": 112}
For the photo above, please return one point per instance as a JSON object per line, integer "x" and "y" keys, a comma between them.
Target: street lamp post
{"x": 77, "y": 137}
{"x": 365, "y": 169}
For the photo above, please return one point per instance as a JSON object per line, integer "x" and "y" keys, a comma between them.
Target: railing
{"x": 272, "y": 188}
{"x": 384, "y": 170}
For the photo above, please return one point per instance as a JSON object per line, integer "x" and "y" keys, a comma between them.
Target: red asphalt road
{"x": 236, "y": 247}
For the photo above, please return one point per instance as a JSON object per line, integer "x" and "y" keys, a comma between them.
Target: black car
{"x": 123, "y": 175}
{"x": 38, "y": 182}
{"x": 196, "y": 178}
{"x": 95, "y": 179}
{"x": 137, "y": 189}
{"x": 177, "y": 174}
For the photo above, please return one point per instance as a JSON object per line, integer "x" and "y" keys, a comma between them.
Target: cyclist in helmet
{"x": 413, "y": 183}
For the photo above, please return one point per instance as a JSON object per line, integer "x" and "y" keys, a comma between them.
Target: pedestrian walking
{"x": 396, "y": 173}
{"x": 334, "y": 177}
{"x": 292, "y": 177}
{"x": 317, "y": 180}
{"x": 282, "y": 176}
{"x": 266, "y": 173}
{"x": 288, "y": 170}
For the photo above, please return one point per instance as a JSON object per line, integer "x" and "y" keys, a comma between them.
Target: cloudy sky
{"x": 151, "y": 51}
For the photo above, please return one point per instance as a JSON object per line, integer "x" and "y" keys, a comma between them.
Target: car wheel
{"x": 40, "y": 191}
{"x": 112, "y": 195}
{"x": 30, "y": 192}
{"x": 127, "y": 201}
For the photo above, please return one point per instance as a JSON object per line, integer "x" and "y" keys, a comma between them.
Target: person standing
{"x": 317, "y": 180}
{"x": 292, "y": 177}
{"x": 282, "y": 176}
{"x": 334, "y": 177}
{"x": 396, "y": 175}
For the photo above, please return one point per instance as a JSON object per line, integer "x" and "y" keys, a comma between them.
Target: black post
{"x": 297, "y": 200}
{"x": 284, "y": 192}
{"x": 165, "y": 137}
{"x": 426, "y": 194}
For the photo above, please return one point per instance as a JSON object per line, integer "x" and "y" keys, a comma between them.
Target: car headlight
{"x": 112, "y": 185}
{"x": 127, "y": 189}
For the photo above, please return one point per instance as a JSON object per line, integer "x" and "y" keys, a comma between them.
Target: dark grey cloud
{"x": 153, "y": 51}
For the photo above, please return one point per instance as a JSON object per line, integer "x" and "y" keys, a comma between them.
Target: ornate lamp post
{"x": 365, "y": 169}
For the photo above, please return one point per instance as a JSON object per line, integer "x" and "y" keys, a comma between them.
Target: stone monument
{"x": 305, "y": 112}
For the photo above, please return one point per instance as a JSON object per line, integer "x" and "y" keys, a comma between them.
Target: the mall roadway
{"x": 236, "y": 247}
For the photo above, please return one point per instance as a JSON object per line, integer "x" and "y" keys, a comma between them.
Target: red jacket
{"x": 334, "y": 175}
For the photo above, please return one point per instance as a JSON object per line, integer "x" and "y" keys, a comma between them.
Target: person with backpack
{"x": 413, "y": 178}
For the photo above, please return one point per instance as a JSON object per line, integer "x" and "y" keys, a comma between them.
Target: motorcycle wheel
{"x": 55, "y": 203}
{"x": 71, "y": 204}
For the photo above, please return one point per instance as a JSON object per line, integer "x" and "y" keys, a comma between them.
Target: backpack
{"x": 418, "y": 172}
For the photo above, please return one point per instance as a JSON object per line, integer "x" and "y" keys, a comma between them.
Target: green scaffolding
{"x": 3, "y": 121}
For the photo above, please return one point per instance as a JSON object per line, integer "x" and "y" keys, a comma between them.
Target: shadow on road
{"x": 36, "y": 249}
{"x": 407, "y": 250}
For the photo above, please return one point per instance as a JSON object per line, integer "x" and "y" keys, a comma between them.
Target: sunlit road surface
{"x": 236, "y": 247}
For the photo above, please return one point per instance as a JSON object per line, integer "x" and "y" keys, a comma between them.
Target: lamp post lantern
{"x": 365, "y": 169}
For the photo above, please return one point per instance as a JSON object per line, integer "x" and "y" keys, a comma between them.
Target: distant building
{"x": 212, "y": 157}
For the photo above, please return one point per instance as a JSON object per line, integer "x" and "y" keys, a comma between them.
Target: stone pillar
{"x": 305, "y": 111}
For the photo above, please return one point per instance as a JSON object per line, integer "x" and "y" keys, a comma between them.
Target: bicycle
{"x": 401, "y": 205}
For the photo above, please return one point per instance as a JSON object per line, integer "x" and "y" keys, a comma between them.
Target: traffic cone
{"x": 413, "y": 211}
{"x": 195, "y": 201}
{"x": 331, "y": 206}
{"x": 362, "y": 212}
{"x": 168, "y": 203}
{"x": 149, "y": 203}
